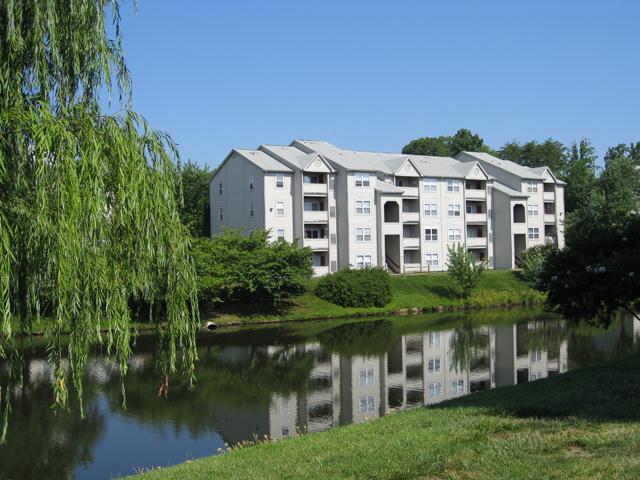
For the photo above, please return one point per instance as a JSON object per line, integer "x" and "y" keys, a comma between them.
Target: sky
{"x": 373, "y": 75}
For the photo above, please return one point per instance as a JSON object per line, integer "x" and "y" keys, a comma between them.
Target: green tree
{"x": 88, "y": 217}
{"x": 464, "y": 269}
{"x": 620, "y": 186}
{"x": 193, "y": 198}
{"x": 579, "y": 174}
{"x": 447, "y": 146}
{"x": 550, "y": 153}
{"x": 622, "y": 150}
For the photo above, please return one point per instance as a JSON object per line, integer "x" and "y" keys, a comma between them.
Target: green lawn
{"x": 584, "y": 424}
{"x": 496, "y": 288}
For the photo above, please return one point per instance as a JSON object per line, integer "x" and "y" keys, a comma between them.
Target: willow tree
{"x": 88, "y": 217}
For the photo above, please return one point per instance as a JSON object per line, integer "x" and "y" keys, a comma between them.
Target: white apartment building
{"x": 399, "y": 211}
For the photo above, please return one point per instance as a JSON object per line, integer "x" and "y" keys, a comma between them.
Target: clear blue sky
{"x": 373, "y": 75}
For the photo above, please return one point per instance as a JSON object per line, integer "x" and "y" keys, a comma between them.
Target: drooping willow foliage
{"x": 89, "y": 226}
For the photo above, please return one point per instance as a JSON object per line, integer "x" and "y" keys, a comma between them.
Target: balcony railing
{"x": 410, "y": 191}
{"x": 549, "y": 218}
{"x": 549, "y": 196}
{"x": 411, "y": 242}
{"x": 317, "y": 271}
{"x": 314, "y": 188}
{"x": 474, "y": 194}
{"x": 410, "y": 216}
{"x": 476, "y": 218}
{"x": 476, "y": 241}
{"x": 315, "y": 216}
{"x": 317, "y": 243}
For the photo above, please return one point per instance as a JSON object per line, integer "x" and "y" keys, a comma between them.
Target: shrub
{"x": 369, "y": 287}
{"x": 533, "y": 261}
{"x": 464, "y": 269}
{"x": 234, "y": 268}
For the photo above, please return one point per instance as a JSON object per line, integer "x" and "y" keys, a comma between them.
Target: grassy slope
{"x": 584, "y": 424}
{"x": 497, "y": 287}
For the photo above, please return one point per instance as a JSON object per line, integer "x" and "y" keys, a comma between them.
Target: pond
{"x": 276, "y": 381}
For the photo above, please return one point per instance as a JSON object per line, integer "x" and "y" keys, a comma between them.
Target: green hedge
{"x": 369, "y": 287}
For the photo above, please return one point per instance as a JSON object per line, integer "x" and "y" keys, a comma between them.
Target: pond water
{"x": 278, "y": 380}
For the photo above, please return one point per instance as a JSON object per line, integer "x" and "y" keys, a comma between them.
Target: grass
{"x": 583, "y": 424}
{"x": 428, "y": 292}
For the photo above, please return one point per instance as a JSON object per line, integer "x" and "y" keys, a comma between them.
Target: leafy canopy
{"x": 447, "y": 146}
{"x": 88, "y": 215}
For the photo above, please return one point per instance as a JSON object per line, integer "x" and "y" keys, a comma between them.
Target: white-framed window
{"x": 455, "y": 235}
{"x": 367, "y": 376}
{"x": 453, "y": 185}
{"x": 434, "y": 339}
{"x": 435, "y": 389}
{"x": 280, "y": 234}
{"x": 430, "y": 209}
{"x": 453, "y": 210}
{"x": 363, "y": 234}
{"x": 279, "y": 209}
{"x": 363, "y": 261}
{"x": 429, "y": 185}
{"x": 220, "y": 216}
{"x": 367, "y": 404}
{"x": 430, "y": 234}
{"x": 252, "y": 182}
{"x": 536, "y": 355}
{"x": 363, "y": 207}
{"x": 251, "y": 209}
{"x": 362, "y": 179}
{"x": 279, "y": 180}
{"x": 220, "y": 188}
{"x": 532, "y": 210}
{"x": 532, "y": 186}
{"x": 534, "y": 233}
{"x": 433, "y": 365}
{"x": 457, "y": 387}
{"x": 431, "y": 259}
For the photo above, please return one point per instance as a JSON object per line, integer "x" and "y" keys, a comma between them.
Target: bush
{"x": 464, "y": 269}
{"x": 533, "y": 261}
{"x": 234, "y": 268}
{"x": 369, "y": 287}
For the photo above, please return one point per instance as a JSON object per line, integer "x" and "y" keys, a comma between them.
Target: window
{"x": 220, "y": 188}
{"x": 251, "y": 209}
{"x": 319, "y": 260}
{"x": 332, "y": 212}
{"x": 457, "y": 387}
{"x": 220, "y": 214}
{"x": 534, "y": 233}
{"x": 430, "y": 234}
{"x": 252, "y": 181}
{"x": 367, "y": 377}
{"x": 367, "y": 404}
{"x": 453, "y": 210}
{"x": 334, "y": 265}
{"x": 315, "y": 232}
{"x": 431, "y": 259}
{"x": 435, "y": 389}
{"x": 362, "y": 179}
{"x": 334, "y": 239}
{"x": 429, "y": 184}
{"x": 279, "y": 209}
{"x": 363, "y": 207}
{"x": 313, "y": 178}
{"x": 280, "y": 234}
{"x": 453, "y": 185}
{"x": 363, "y": 261}
{"x": 279, "y": 180}
{"x": 363, "y": 234}
{"x": 332, "y": 183}
{"x": 532, "y": 187}
{"x": 532, "y": 210}
{"x": 536, "y": 355}
{"x": 434, "y": 339}
{"x": 314, "y": 206}
{"x": 431, "y": 209}
{"x": 433, "y": 365}
{"x": 455, "y": 235}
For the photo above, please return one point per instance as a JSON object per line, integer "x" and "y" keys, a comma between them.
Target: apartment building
{"x": 361, "y": 209}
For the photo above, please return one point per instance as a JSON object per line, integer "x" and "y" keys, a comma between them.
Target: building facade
{"x": 397, "y": 211}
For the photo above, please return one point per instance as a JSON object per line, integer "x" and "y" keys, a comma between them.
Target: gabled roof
{"x": 387, "y": 188}
{"x": 294, "y": 155}
{"x": 509, "y": 191}
{"x": 258, "y": 158}
{"x": 506, "y": 165}
{"x": 542, "y": 171}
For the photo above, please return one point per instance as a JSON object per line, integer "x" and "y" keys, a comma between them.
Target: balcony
{"x": 315, "y": 216}
{"x": 317, "y": 243}
{"x": 410, "y": 191}
{"x": 314, "y": 189}
{"x": 411, "y": 242}
{"x": 549, "y": 218}
{"x": 476, "y": 218}
{"x": 410, "y": 186}
{"x": 549, "y": 196}
{"x": 410, "y": 217}
{"x": 319, "y": 271}
{"x": 475, "y": 194}
{"x": 476, "y": 242}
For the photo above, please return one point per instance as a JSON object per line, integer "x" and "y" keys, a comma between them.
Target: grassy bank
{"x": 584, "y": 424}
{"x": 427, "y": 292}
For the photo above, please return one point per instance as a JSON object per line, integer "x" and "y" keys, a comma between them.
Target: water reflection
{"x": 277, "y": 381}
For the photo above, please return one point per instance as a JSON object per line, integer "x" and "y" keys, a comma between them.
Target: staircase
{"x": 391, "y": 264}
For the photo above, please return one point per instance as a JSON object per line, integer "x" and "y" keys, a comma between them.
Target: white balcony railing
{"x": 549, "y": 218}
{"x": 310, "y": 216}
{"x": 411, "y": 242}
{"x": 410, "y": 191}
{"x": 314, "y": 188}
{"x": 410, "y": 217}
{"x": 475, "y": 194}
{"x": 476, "y": 218}
{"x": 317, "y": 243}
{"x": 476, "y": 241}
{"x": 549, "y": 196}
{"x": 318, "y": 271}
